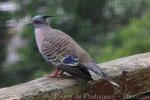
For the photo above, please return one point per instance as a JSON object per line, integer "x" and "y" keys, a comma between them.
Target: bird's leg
{"x": 60, "y": 72}
{"x": 56, "y": 73}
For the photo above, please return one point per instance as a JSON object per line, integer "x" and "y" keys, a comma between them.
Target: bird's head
{"x": 39, "y": 21}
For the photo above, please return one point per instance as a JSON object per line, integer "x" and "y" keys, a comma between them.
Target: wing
{"x": 54, "y": 48}
{"x": 57, "y": 52}
{"x": 70, "y": 64}
{"x": 70, "y": 60}
{"x": 63, "y": 52}
{"x": 57, "y": 44}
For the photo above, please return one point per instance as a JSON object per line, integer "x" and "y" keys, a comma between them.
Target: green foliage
{"x": 91, "y": 10}
{"x": 3, "y": 43}
{"x": 132, "y": 39}
{"x": 123, "y": 10}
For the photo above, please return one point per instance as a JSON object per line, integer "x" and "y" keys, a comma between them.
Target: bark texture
{"x": 132, "y": 73}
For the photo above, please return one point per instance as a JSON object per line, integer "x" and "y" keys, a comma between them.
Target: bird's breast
{"x": 39, "y": 36}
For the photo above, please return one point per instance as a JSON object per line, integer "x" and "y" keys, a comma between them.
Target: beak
{"x": 47, "y": 16}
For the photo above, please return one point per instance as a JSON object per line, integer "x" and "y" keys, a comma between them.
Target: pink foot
{"x": 56, "y": 74}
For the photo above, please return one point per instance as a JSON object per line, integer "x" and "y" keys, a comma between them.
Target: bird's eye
{"x": 37, "y": 22}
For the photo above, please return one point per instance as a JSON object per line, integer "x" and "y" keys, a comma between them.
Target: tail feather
{"x": 95, "y": 68}
{"x": 104, "y": 76}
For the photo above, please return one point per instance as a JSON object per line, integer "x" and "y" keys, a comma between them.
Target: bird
{"x": 63, "y": 52}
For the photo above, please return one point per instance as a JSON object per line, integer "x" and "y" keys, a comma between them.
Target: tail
{"x": 104, "y": 76}
{"x": 95, "y": 68}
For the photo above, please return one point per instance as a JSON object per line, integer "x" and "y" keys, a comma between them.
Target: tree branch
{"x": 132, "y": 73}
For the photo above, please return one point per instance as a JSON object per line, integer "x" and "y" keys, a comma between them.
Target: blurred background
{"x": 106, "y": 29}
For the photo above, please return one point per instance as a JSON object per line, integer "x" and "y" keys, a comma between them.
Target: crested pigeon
{"x": 60, "y": 50}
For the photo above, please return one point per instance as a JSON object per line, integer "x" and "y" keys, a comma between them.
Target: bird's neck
{"x": 39, "y": 35}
